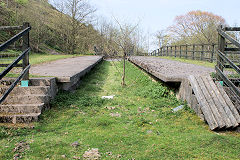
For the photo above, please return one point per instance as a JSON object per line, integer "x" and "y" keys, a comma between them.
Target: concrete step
{"x": 45, "y": 90}
{"x": 44, "y": 81}
{"x": 27, "y": 99}
{"x": 23, "y": 108}
{"x": 18, "y": 118}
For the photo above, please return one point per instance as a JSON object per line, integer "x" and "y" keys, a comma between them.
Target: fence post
{"x": 202, "y": 53}
{"x": 167, "y": 51}
{"x": 175, "y": 51}
{"x": 186, "y": 51}
{"x": 25, "y": 46}
{"x": 213, "y": 50}
{"x": 193, "y": 53}
{"x": 180, "y": 51}
{"x": 221, "y": 47}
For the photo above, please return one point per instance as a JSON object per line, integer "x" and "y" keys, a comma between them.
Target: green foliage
{"x": 21, "y": 2}
{"x": 2, "y": 4}
{"x": 154, "y": 91}
{"x": 49, "y": 27}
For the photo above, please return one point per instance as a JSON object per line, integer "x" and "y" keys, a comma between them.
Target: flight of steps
{"x": 25, "y": 104}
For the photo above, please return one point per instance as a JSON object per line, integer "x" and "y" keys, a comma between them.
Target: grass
{"x": 197, "y": 62}
{"x": 43, "y": 58}
{"x": 144, "y": 126}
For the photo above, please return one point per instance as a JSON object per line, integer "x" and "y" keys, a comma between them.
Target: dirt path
{"x": 170, "y": 70}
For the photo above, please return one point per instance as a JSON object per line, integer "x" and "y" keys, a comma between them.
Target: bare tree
{"x": 162, "y": 37}
{"x": 126, "y": 42}
{"x": 80, "y": 12}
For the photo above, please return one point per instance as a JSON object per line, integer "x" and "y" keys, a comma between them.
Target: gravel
{"x": 170, "y": 68}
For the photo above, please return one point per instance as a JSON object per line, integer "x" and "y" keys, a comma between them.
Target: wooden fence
{"x": 24, "y": 56}
{"x": 204, "y": 52}
{"x": 227, "y": 70}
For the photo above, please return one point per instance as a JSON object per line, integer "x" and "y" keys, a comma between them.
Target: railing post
{"x": 221, "y": 47}
{"x": 213, "y": 50}
{"x": 25, "y": 46}
{"x": 193, "y": 53}
{"x": 171, "y": 51}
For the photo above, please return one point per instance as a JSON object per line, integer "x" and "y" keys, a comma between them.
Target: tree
{"x": 163, "y": 39}
{"x": 79, "y": 11}
{"x": 196, "y": 27}
{"x": 125, "y": 40}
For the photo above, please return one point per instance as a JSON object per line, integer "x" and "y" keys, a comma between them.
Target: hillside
{"x": 50, "y": 28}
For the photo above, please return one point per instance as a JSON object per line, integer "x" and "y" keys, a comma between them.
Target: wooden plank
{"x": 236, "y": 68}
{"x": 232, "y": 49}
{"x": 221, "y": 106}
{"x": 6, "y": 65}
{"x": 232, "y": 28}
{"x": 227, "y": 81}
{"x": 225, "y": 105}
{"x": 203, "y": 104}
{"x": 10, "y": 28}
{"x": 229, "y": 102}
{"x": 14, "y": 39}
{"x": 211, "y": 103}
{"x": 228, "y": 37}
{"x": 231, "y": 52}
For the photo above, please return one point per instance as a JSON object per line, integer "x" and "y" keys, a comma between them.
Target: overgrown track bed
{"x": 138, "y": 123}
{"x": 169, "y": 70}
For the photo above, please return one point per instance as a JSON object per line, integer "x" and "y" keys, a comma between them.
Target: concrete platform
{"x": 68, "y": 72}
{"x": 169, "y": 70}
{"x": 206, "y": 98}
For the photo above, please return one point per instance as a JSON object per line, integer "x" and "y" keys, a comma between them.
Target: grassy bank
{"x": 137, "y": 124}
{"x": 197, "y": 62}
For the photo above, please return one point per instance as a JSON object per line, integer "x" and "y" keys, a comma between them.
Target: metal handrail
{"x": 24, "y": 56}
{"x": 14, "y": 38}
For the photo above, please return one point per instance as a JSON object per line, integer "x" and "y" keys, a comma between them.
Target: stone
{"x": 149, "y": 131}
{"x": 92, "y": 154}
{"x": 115, "y": 114}
{"x": 75, "y": 144}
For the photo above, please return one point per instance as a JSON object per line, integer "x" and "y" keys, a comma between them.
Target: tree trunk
{"x": 124, "y": 66}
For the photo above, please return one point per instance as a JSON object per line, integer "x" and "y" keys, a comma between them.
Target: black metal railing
{"x": 24, "y": 56}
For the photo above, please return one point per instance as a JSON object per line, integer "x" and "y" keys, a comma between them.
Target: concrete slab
{"x": 65, "y": 69}
{"x": 68, "y": 72}
{"x": 169, "y": 70}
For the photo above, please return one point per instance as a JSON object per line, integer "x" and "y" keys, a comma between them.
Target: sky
{"x": 159, "y": 14}
{"x": 154, "y": 15}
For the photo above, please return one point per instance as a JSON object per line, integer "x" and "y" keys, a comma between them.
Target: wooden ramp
{"x": 213, "y": 103}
